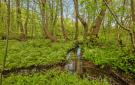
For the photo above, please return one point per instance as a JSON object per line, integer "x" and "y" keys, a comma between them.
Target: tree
{"x": 7, "y": 39}
{"x": 27, "y": 19}
{"x": 130, "y": 31}
{"x": 132, "y": 34}
{"x": 84, "y": 23}
{"x": 76, "y": 19}
{"x": 47, "y": 33}
{"x": 19, "y": 20}
{"x": 62, "y": 21}
{"x": 99, "y": 20}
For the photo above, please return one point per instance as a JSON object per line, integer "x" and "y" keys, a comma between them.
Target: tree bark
{"x": 27, "y": 19}
{"x": 84, "y": 23}
{"x": 62, "y": 21}
{"x": 7, "y": 40}
{"x": 0, "y": 3}
{"x": 76, "y": 18}
{"x": 132, "y": 34}
{"x": 99, "y": 20}
{"x": 19, "y": 20}
{"x": 44, "y": 15}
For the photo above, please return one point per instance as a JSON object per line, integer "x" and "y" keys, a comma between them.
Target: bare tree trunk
{"x": 84, "y": 23}
{"x": 62, "y": 21}
{"x": 7, "y": 40}
{"x": 132, "y": 34}
{"x": 0, "y": 3}
{"x": 27, "y": 19}
{"x": 55, "y": 16}
{"x": 99, "y": 20}
{"x": 19, "y": 20}
{"x": 44, "y": 15}
{"x": 54, "y": 6}
{"x": 76, "y": 19}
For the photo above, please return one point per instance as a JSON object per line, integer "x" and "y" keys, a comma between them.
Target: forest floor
{"x": 42, "y": 62}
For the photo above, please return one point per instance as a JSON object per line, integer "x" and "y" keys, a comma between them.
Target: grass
{"x": 52, "y": 77}
{"x": 111, "y": 55}
{"x": 33, "y": 53}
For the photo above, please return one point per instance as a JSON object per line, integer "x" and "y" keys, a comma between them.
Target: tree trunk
{"x": 84, "y": 23}
{"x": 7, "y": 41}
{"x": 132, "y": 34}
{"x": 62, "y": 21}
{"x": 27, "y": 19}
{"x": 55, "y": 17}
{"x": 99, "y": 20}
{"x": 44, "y": 15}
{"x": 76, "y": 19}
{"x": 0, "y": 3}
{"x": 19, "y": 20}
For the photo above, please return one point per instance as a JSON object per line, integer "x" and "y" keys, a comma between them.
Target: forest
{"x": 67, "y": 42}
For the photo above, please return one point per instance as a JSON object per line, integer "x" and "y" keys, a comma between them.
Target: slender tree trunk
{"x": 84, "y": 23}
{"x": 99, "y": 20}
{"x": 33, "y": 22}
{"x": 51, "y": 6}
{"x": 19, "y": 20}
{"x": 0, "y": 3}
{"x": 132, "y": 34}
{"x": 55, "y": 16}
{"x": 7, "y": 40}
{"x": 76, "y": 19}
{"x": 62, "y": 21}
{"x": 27, "y": 19}
{"x": 0, "y": 14}
{"x": 44, "y": 15}
{"x": 54, "y": 6}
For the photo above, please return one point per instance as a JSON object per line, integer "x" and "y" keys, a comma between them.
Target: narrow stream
{"x": 74, "y": 58}
{"x": 77, "y": 64}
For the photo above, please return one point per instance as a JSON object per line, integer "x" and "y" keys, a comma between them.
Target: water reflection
{"x": 74, "y": 58}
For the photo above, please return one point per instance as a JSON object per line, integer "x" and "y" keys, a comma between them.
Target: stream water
{"x": 74, "y": 58}
{"x": 77, "y": 64}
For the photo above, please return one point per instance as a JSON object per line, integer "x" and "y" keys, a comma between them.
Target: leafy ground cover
{"x": 111, "y": 55}
{"x": 24, "y": 54}
{"x": 33, "y": 52}
{"x": 52, "y": 77}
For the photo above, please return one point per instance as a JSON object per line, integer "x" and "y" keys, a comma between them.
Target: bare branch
{"x": 115, "y": 17}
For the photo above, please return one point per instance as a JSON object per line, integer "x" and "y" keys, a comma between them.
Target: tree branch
{"x": 115, "y": 17}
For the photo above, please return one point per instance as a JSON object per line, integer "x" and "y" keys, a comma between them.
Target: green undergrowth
{"x": 52, "y": 77}
{"x": 111, "y": 55}
{"x": 33, "y": 52}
